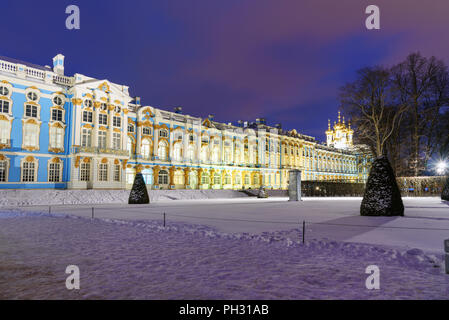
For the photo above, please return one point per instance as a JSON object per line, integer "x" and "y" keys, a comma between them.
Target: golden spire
{"x": 339, "y": 117}
{"x": 329, "y": 124}
{"x": 343, "y": 120}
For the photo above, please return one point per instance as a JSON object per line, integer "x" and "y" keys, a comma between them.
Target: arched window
{"x": 57, "y": 137}
{"x": 129, "y": 147}
{"x": 247, "y": 179}
{"x": 85, "y": 171}
{"x": 193, "y": 179}
{"x": 28, "y": 171}
{"x": 86, "y": 137}
{"x": 179, "y": 177}
{"x": 3, "y": 170}
{"x": 177, "y": 152}
{"x": 31, "y": 135}
{"x": 227, "y": 179}
{"x": 54, "y": 171}
{"x": 130, "y": 174}
{"x": 237, "y": 179}
{"x": 146, "y": 148}
{"x": 5, "y": 130}
{"x": 256, "y": 179}
{"x": 205, "y": 178}
{"x": 162, "y": 150}
{"x": 191, "y": 153}
{"x": 148, "y": 176}
{"x": 163, "y": 133}
{"x": 163, "y": 177}
{"x": 217, "y": 178}
{"x": 103, "y": 172}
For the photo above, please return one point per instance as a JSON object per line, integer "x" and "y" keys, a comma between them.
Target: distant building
{"x": 79, "y": 133}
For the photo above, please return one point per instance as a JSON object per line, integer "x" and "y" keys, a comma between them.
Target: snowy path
{"x": 425, "y": 225}
{"x": 132, "y": 260}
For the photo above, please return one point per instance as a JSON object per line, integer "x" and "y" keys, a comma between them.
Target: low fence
{"x": 332, "y": 189}
{"x": 421, "y": 186}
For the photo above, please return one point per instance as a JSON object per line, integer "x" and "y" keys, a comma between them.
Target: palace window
{"x": 162, "y": 150}
{"x": 103, "y": 119}
{"x": 227, "y": 179}
{"x": 88, "y": 103}
{"x": 3, "y": 171}
{"x": 86, "y": 138}
{"x": 103, "y": 107}
{"x": 31, "y": 111}
{"x": 217, "y": 178}
{"x": 147, "y": 176}
{"x": 5, "y": 129}
{"x": 102, "y": 139}
{"x": 85, "y": 171}
{"x": 191, "y": 138}
{"x": 191, "y": 153}
{"x": 205, "y": 139}
{"x": 57, "y": 101}
{"x": 204, "y": 154}
{"x": 54, "y": 172}
{"x": 163, "y": 133}
{"x": 117, "y": 122}
{"x": 146, "y": 148}
{"x": 256, "y": 179}
{"x": 177, "y": 152}
{"x": 163, "y": 177}
{"x": 4, "y": 106}
{"x": 237, "y": 179}
{"x": 117, "y": 173}
{"x": 4, "y": 91}
{"x": 57, "y": 137}
{"x": 178, "y": 137}
{"x": 103, "y": 172}
{"x": 146, "y": 131}
{"x": 130, "y": 128}
{"x": 56, "y": 115}
{"x": 247, "y": 179}
{"x": 129, "y": 147}
{"x": 216, "y": 155}
{"x": 116, "y": 140}
{"x": 28, "y": 172}
{"x": 87, "y": 116}
{"x": 32, "y": 96}
{"x": 179, "y": 177}
{"x": 204, "y": 179}
{"x": 31, "y": 135}
{"x": 117, "y": 109}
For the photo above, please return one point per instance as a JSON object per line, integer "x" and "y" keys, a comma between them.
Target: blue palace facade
{"x": 78, "y": 132}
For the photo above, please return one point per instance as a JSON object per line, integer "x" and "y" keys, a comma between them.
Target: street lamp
{"x": 441, "y": 167}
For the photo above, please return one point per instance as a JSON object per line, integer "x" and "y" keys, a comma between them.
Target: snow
{"x": 242, "y": 248}
{"x": 17, "y": 197}
{"x": 121, "y": 259}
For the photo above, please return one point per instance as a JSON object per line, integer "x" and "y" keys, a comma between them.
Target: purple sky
{"x": 283, "y": 60}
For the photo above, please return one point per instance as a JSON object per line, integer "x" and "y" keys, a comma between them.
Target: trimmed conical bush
{"x": 139, "y": 192}
{"x": 382, "y": 196}
{"x": 445, "y": 192}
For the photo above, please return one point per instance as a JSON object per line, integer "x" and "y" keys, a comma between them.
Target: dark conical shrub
{"x": 382, "y": 196}
{"x": 139, "y": 193}
{"x": 445, "y": 192}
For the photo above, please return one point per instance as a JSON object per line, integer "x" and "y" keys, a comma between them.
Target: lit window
{"x": 31, "y": 135}
{"x": 30, "y": 111}
{"x": 116, "y": 139}
{"x": 87, "y": 116}
{"x": 54, "y": 172}
{"x": 146, "y": 148}
{"x": 5, "y": 129}
{"x": 204, "y": 179}
{"x": 103, "y": 119}
{"x": 86, "y": 138}
{"x": 102, "y": 139}
{"x": 177, "y": 151}
{"x": 117, "y": 173}
{"x": 227, "y": 179}
{"x": 28, "y": 172}
{"x": 162, "y": 150}
{"x": 4, "y": 106}
{"x": 217, "y": 178}
{"x": 56, "y": 115}
{"x": 32, "y": 96}
{"x": 103, "y": 172}
{"x": 57, "y": 137}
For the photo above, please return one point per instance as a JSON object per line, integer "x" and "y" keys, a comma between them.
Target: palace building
{"x": 77, "y": 132}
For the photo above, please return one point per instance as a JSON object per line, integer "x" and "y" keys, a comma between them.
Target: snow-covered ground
{"x": 243, "y": 248}
{"x": 425, "y": 225}
{"x": 142, "y": 260}
{"x": 18, "y": 197}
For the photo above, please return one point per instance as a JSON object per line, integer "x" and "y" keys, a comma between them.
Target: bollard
{"x": 92, "y": 212}
{"x": 164, "y": 219}
{"x": 303, "y": 231}
{"x": 446, "y": 250}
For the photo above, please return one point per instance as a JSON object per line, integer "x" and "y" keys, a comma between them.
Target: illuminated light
{"x": 441, "y": 167}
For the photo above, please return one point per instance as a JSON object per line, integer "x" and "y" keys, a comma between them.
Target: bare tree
{"x": 422, "y": 84}
{"x": 372, "y": 106}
